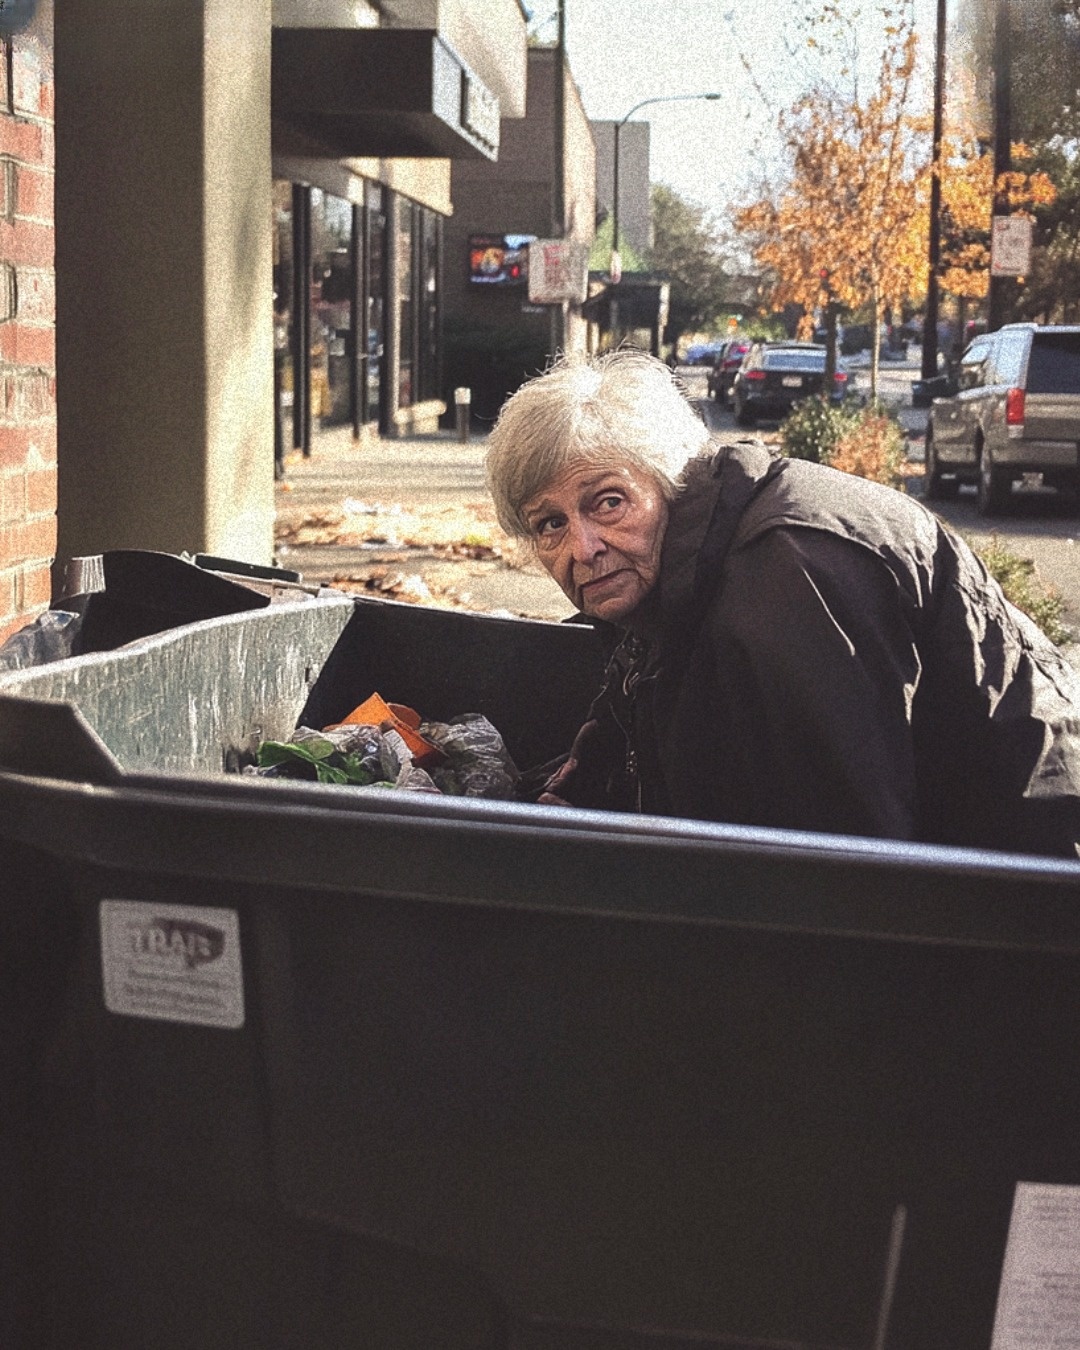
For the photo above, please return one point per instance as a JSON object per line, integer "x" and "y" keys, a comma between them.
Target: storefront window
{"x": 406, "y": 310}
{"x": 284, "y": 309}
{"x": 428, "y": 297}
{"x": 333, "y": 282}
{"x": 376, "y": 293}
{"x": 332, "y": 288}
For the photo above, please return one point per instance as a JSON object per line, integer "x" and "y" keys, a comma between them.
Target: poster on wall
{"x": 558, "y": 271}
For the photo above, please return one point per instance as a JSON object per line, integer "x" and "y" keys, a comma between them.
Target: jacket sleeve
{"x": 591, "y": 773}
{"x": 1000, "y": 721}
{"x": 815, "y": 665}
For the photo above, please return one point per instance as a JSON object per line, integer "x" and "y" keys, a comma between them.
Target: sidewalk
{"x": 408, "y": 519}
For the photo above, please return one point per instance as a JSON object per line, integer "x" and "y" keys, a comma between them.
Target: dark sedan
{"x": 775, "y": 376}
{"x": 724, "y": 367}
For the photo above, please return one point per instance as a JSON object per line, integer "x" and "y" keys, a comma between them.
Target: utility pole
{"x": 558, "y": 193}
{"x": 933, "y": 281}
{"x": 825, "y": 277}
{"x": 1002, "y": 144}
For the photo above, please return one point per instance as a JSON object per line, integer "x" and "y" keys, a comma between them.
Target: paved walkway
{"x": 442, "y": 480}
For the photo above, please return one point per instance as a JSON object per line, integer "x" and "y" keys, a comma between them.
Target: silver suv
{"x": 1015, "y": 414}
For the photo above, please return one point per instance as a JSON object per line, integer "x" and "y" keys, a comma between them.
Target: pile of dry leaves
{"x": 468, "y": 531}
{"x": 401, "y": 551}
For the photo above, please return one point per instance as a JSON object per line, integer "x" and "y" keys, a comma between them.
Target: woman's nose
{"x": 585, "y": 540}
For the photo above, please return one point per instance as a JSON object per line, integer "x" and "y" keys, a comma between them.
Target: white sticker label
{"x": 177, "y": 963}
{"x": 1039, "y": 1299}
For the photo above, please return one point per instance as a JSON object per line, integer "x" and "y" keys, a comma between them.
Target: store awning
{"x": 642, "y": 303}
{"x": 381, "y": 92}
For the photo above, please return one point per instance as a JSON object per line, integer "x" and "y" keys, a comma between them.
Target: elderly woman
{"x": 789, "y": 645}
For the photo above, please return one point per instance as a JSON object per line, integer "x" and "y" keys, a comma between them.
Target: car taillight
{"x": 1014, "y": 408}
{"x": 753, "y": 374}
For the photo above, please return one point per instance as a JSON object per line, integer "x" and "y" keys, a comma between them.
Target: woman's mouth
{"x": 589, "y": 587}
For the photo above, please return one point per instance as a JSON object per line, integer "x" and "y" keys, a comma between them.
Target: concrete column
{"x": 164, "y": 289}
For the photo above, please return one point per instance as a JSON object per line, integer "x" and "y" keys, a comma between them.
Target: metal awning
{"x": 642, "y": 303}
{"x": 381, "y": 92}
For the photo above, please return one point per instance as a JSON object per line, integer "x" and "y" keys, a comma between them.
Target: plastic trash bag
{"x": 474, "y": 762}
{"x": 478, "y": 764}
{"x": 50, "y": 637}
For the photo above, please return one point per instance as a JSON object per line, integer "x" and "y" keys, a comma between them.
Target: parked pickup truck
{"x": 289, "y": 1065}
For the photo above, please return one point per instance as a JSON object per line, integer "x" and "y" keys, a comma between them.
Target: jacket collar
{"x": 702, "y": 519}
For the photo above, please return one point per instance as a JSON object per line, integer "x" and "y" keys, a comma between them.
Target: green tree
{"x": 600, "y": 252}
{"x": 1044, "y": 51}
{"x": 687, "y": 250}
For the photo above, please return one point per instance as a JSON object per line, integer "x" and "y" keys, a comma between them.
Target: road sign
{"x": 1010, "y": 246}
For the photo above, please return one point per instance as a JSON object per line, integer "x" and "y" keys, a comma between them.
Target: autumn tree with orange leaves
{"x": 967, "y": 199}
{"x": 854, "y": 201}
{"x": 967, "y": 203}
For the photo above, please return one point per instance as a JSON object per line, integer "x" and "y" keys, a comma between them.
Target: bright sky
{"x": 622, "y": 51}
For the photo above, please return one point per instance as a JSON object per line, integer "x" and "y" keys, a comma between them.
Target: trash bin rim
{"x": 11, "y": 680}
{"x": 999, "y": 901}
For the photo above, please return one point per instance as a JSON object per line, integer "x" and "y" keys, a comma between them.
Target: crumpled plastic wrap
{"x": 476, "y": 762}
{"x": 50, "y": 637}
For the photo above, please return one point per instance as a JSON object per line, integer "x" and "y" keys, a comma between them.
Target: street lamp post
{"x": 663, "y": 98}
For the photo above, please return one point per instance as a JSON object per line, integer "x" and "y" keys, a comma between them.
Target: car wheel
{"x": 993, "y": 488}
{"x": 938, "y": 489}
{"x": 743, "y": 416}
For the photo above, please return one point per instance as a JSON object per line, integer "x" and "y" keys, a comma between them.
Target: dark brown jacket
{"x": 827, "y": 656}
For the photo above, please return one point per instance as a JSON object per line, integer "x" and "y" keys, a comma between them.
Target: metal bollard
{"x": 462, "y": 407}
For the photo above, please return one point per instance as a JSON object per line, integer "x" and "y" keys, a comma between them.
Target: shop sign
{"x": 558, "y": 271}
{"x": 480, "y": 111}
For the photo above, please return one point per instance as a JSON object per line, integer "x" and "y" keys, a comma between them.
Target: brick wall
{"x": 27, "y": 329}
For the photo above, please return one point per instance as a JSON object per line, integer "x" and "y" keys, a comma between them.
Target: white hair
{"x": 622, "y": 408}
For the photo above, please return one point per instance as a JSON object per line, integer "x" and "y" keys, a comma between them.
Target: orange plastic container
{"x": 376, "y": 712}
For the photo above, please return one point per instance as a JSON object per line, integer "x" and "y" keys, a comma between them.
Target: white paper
{"x": 176, "y": 963}
{"x": 1039, "y": 1298}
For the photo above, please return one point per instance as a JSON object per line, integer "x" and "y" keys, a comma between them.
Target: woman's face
{"x": 598, "y": 532}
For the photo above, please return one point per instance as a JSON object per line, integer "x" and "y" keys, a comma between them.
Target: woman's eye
{"x": 549, "y": 525}
{"x": 610, "y": 501}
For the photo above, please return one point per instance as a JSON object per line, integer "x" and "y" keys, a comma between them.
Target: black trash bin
{"x": 301, "y": 1066}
